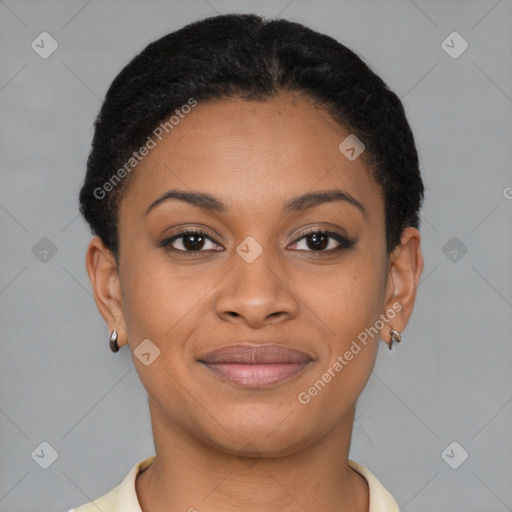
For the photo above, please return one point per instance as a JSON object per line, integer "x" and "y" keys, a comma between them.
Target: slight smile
{"x": 256, "y": 365}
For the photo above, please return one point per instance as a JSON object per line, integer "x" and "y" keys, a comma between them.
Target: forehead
{"x": 251, "y": 153}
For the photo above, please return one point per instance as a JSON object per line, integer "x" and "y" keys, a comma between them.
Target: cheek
{"x": 346, "y": 304}
{"x": 346, "y": 299}
{"x": 160, "y": 297}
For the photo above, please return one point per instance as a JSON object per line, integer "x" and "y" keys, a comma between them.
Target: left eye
{"x": 320, "y": 241}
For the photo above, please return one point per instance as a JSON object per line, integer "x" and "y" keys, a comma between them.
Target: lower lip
{"x": 255, "y": 375}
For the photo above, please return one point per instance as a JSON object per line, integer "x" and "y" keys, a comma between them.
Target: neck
{"x": 189, "y": 474}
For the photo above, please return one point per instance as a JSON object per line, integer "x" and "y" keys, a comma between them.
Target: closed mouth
{"x": 256, "y": 366}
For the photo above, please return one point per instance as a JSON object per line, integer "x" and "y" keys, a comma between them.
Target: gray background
{"x": 449, "y": 380}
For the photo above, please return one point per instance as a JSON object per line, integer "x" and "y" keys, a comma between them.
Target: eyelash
{"x": 344, "y": 243}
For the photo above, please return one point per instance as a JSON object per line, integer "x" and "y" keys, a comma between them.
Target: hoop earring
{"x": 396, "y": 337}
{"x": 113, "y": 341}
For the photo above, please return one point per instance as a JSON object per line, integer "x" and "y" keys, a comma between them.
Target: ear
{"x": 405, "y": 268}
{"x": 104, "y": 276}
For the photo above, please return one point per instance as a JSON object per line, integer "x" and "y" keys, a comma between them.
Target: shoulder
{"x": 381, "y": 499}
{"x": 120, "y": 498}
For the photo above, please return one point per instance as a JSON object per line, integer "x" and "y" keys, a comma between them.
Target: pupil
{"x": 188, "y": 241}
{"x": 315, "y": 237}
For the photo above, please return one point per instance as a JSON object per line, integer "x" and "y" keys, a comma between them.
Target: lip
{"x": 256, "y": 365}
{"x": 256, "y": 353}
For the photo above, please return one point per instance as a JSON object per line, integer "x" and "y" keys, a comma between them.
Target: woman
{"x": 254, "y": 192}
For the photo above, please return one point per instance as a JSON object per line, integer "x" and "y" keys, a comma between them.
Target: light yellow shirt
{"x": 123, "y": 498}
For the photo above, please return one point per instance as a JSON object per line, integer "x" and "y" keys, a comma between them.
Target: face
{"x": 253, "y": 271}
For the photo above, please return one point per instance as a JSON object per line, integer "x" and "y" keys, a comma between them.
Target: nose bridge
{"x": 254, "y": 289}
{"x": 254, "y": 276}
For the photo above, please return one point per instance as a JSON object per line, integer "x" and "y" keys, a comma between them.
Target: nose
{"x": 256, "y": 293}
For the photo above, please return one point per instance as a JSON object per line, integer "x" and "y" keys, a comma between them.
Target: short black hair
{"x": 253, "y": 58}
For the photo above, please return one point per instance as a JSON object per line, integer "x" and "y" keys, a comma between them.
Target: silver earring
{"x": 113, "y": 341}
{"x": 396, "y": 337}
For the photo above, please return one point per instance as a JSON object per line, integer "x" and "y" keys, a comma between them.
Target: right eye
{"x": 189, "y": 240}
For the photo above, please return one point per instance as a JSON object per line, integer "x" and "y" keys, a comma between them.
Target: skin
{"x": 253, "y": 157}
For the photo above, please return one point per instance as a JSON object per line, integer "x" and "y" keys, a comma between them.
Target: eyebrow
{"x": 211, "y": 203}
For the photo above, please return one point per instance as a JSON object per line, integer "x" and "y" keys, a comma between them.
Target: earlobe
{"x": 104, "y": 276}
{"x": 405, "y": 268}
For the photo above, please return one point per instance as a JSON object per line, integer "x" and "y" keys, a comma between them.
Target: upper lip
{"x": 252, "y": 353}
